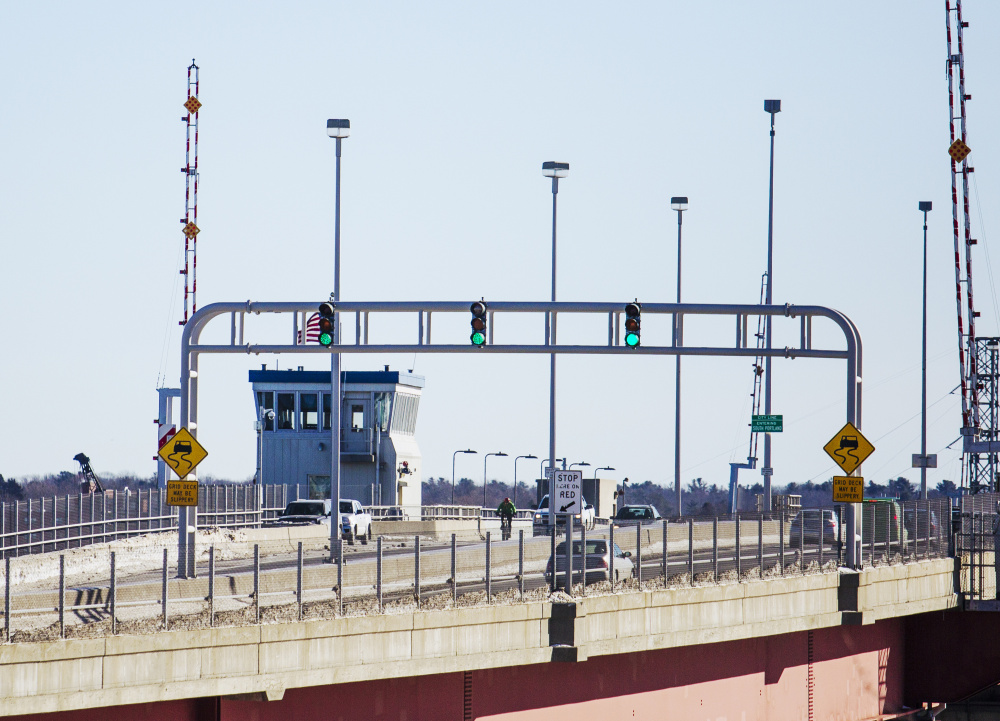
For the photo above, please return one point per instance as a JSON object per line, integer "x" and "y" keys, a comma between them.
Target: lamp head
{"x": 338, "y": 128}
{"x": 552, "y": 169}
{"x": 679, "y": 202}
{"x": 772, "y": 106}
{"x": 924, "y": 205}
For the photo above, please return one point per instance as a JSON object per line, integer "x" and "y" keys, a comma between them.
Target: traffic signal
{"x": 478, "y": 336}
{"x": 326, "y": 324}
{"x": 633, "y": 324}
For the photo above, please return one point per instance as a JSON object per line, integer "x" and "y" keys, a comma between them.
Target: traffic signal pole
{"x": 335, "y": 390}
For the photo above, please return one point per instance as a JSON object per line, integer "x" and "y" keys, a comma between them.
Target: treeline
{"x": 698, "y": 497}
{"x": 67, "y": 483}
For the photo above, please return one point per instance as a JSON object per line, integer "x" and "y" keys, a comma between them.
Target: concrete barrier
{"x": 116, "y": 670}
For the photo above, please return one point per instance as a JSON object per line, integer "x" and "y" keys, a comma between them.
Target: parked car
{"x": 540, "y": 518}
{"x": 811, "y": 519}
{"x": 304, "y": 513}
{"x": 598, "y": 561}
{"x": 355, "y": 522}
{"x": 636, "y": 514}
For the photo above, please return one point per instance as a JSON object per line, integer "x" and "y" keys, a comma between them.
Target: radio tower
{"x": 979, "y": 376}
{"x": 190, "y": 170}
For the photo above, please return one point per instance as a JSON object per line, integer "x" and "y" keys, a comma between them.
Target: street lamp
{"x": 469, "y": 450}
{"x": 541, "y": 467}
{"x": 602, "y": 468}
{"x": 486, "y": 458}
{"x": 554, "y": 170}
{"x": 925, "y": 207}
{"x": 337, "y": 129}
{"x": 515, "y": 475}
{"x": 581, "y": 464}
{"x": 678, "y": 203}
{"x": 773, "y": 107}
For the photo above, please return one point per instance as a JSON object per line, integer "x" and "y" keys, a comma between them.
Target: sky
{"x": 453, "y": 108}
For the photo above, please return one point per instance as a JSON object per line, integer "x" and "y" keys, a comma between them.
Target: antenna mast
{"x": 190, "y": 170}
{"x": 979, "y": 379}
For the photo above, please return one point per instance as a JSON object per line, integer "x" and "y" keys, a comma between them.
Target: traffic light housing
{"x": 633, "y": 325}
{"x": 326, "y": 322}
{"x": 478, "y": 323}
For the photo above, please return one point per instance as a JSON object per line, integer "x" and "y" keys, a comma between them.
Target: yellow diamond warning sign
{"x": 959, "y": 150}
{"x": 191, "y": 230}
{"x": 192, "y": 104}
{"x": 848, "y": 489}
{"x": 183, "y": 453}
{"x": 848, "y": 448}
{"x": 182, "y": 493}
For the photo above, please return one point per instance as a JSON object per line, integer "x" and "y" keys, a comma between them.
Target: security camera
{"x": 269, "y": 415}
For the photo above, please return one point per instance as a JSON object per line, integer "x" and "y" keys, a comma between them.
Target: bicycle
{"x": 506, "y": 522}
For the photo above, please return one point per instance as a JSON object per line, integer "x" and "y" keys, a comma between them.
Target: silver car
{"x": 598, "y": 562}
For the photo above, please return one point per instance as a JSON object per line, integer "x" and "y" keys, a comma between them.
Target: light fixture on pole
{"x": 514, "y": 501}
{"x": 678, "y": 203}
{"x": 337, "y": 129}
{"x": 468, "y": 450}
{"x": 924, "y": 206}
{"x": 602, "y": 468}
{"x": 581, "y": 464}
{"x": 554, "y": 170}
{"x": 486, "y": 458}
{"x": 541, "y": 467}
{"x": 772, "y": 107}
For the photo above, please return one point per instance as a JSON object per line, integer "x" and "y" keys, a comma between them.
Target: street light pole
{"x": 678, "y": 203}
{"x": 486, "y": 458}
{"x": 602, "y": 468}
{"x": 581, "y": 464}
{"x": 337, "y": 129}
{"x": 925, "y": 207}
{"x": 773, "y": 107}
{"x": 554, "y": 170}
{"x": 514, "y": 501}
{"x": 469, "y": 450}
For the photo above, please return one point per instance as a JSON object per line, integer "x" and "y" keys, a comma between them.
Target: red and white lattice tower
{"x": 190, "y": 170}
{"x": 977, "y": 357}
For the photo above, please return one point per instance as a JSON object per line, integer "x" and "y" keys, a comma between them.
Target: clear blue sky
{"x": 454, "y": 106}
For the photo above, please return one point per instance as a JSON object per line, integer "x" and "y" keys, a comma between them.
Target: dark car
{"x": 632, "y": 515}
{"x": 598, "y": 562}
{"x": 810, "y": 533}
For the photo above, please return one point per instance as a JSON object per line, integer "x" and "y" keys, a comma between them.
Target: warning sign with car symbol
{"x": 848, "y": 448}
{"x": 182, "y": 453}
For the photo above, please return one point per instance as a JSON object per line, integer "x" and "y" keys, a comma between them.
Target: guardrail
{"x": 133, "y": 584}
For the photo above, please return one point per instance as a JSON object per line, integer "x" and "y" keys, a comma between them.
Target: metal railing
{"x": 135, "y": 587}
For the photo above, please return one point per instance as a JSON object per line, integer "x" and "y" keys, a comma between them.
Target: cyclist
{"x": 506, "y": 511}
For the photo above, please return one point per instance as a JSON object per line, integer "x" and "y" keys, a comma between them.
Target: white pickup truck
{"x": 354, "y": 522}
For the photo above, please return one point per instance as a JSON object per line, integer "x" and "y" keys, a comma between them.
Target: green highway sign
{"x": 766, "y": 424}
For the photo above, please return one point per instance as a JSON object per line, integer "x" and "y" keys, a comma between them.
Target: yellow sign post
{"x": 848, "y": 448}
{"x": 183, "y": 453}
{"x": 182, "y": 493}
{"x": 848, "y": 489}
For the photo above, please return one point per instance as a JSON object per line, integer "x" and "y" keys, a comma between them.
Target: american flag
{"x": 312, "y": 330}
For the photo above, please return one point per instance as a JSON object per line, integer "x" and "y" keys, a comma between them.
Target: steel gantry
{"x": 741, "y": 345}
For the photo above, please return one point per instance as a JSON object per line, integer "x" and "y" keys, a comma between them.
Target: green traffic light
{"x": 326, "y": 339}
{"x": 632, "y": 340}
{"x": 478, "y": 338}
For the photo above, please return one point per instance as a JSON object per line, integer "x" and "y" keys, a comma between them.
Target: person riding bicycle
{"x": 506, "y": 511}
